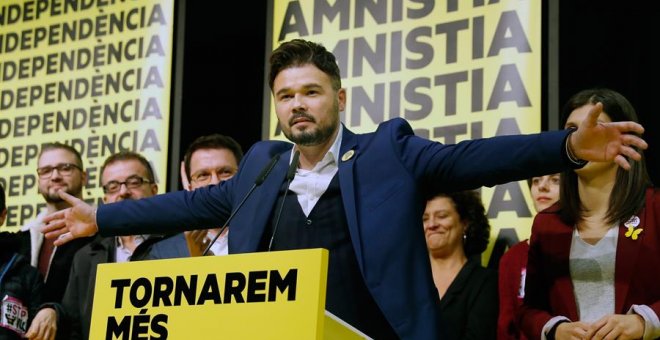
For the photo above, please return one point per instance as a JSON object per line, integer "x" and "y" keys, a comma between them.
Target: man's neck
{"x": 128, "y": 242}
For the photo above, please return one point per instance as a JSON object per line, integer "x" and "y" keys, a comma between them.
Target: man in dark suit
{"x": 360, "y": 196}
{"x": 208, "y": 161}
{"x": 60, "y": 168}
{"x": 125, "y": 175}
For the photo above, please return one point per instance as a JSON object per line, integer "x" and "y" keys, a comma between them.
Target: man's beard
{"x": 54, "y": 197}
{"x": 313, "y": 136}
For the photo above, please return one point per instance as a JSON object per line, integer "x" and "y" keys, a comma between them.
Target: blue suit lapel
{"x": 346, "y": 184}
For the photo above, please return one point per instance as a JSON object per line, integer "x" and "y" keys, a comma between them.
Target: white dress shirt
{"x": 309, "y": 185}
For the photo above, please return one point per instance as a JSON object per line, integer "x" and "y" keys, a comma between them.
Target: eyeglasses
{"x": 132, "y": 182}
{"x": 204, "y": 176}
{"x": 64, "y": 169}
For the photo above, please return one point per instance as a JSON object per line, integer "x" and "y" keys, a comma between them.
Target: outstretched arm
{"x": 606, "y": 142}
{"x": 68, "y": 224}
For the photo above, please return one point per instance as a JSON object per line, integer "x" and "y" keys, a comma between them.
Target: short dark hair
{"x": 3, "y": 205}
{"x": 129, "y": 155}
{"x": 471, "y": 210}
{"x": 299, "y": 52}
{"x": 214, "y": 141}
{"x": 57, "y": 145}
{"x": 630, "y": 185}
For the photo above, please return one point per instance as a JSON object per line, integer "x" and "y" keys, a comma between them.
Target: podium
{"x": 274, "y": 295}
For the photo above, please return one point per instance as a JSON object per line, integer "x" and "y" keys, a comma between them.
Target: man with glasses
{"x": 59, "y": 167}
{"x": 124, "y": 176}
{"x": 209, "y": 160}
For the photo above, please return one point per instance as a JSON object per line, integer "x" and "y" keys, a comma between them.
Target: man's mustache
{"x": 299, "y": 115}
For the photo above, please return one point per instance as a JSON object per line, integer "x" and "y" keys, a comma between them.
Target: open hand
{"x": 71, "y": 223}
{"x": 606, "y": 142}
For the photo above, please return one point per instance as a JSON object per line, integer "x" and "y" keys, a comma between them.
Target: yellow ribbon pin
{"x": 633, "y": 232}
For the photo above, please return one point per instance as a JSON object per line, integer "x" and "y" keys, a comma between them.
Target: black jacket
{"x": 79, "y": 294}
{"x": 21, "y": 287}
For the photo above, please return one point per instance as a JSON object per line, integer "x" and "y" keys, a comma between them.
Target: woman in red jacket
{"x": 513, "y": 264}
{"x": 592, "y": 271}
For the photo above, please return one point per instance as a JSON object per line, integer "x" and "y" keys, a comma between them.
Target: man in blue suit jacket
{"x": 360, "y": 196}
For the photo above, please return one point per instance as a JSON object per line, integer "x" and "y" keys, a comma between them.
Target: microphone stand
{"x": 260, "y": 179}
{"x": 291, "y": 173}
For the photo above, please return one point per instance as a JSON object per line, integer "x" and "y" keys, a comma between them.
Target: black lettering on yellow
{"x": 144, "y": 286}
{"x": 508, "y": 197}
{"x": 210, "y": 291}
{"x": 234, "y": 286}
{"x": 119, "y": 285}
{"x": 256, "y": 288}
{"x": 163, "y": 287}
{"x": 287, "y": 283}
{"x": 187, "y": 289}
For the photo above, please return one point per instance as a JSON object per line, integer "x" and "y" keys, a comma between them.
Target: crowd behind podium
{"x": 598, "y": 235}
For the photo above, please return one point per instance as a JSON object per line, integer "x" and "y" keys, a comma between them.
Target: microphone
{"x": 290, "y": 174}
{"x": 257, "y": 182}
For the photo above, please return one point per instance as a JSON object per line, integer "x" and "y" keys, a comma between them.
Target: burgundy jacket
{"x": 549, "y": 289}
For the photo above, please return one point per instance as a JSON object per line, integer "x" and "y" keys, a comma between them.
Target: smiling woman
{"x": 457, "y": 231}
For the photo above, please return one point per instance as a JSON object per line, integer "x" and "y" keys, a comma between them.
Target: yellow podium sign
{"x": 275, "y": 295}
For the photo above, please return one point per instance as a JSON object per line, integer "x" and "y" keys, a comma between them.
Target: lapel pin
{"x": 633, "y": 221}
{"x": 633, "y": 232}
{"x": 347, "y": 155}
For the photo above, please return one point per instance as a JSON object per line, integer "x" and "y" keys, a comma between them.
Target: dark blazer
{"x": 384, "y": 184}
{"x": 549, "y": 289}
{"x": 79, "y": 294}
{"x": 31, "y": 239}
{"x": 169, "y": 248}
{"x": 469, "y": 307}
{"x": 22, "y": 282}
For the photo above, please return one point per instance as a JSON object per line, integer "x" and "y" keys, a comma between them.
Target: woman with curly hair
{"x": 457, "y": 232}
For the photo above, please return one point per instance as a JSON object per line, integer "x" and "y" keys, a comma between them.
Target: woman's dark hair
{"x": 471, "y": 210}
{"x": 630, "y": 185}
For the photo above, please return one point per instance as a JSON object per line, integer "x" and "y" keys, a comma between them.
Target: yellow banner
{"x": 92, "y": 74}
{"x": 274, "y": 295}
{"x": 456, "y": 70}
